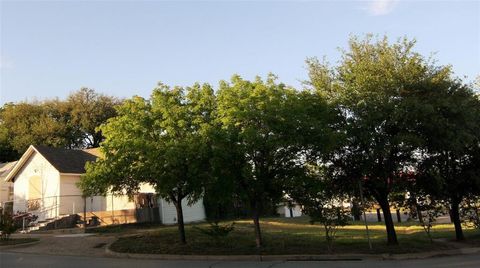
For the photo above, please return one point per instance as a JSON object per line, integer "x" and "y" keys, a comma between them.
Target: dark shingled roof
{"x": 66, "y": 160}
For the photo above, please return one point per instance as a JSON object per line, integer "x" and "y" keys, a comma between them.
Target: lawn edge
{"x": 294, "y": 257}
{"x": 20, "y": 245}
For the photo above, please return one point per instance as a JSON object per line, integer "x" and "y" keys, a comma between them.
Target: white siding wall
{"x": 296, "y": 211}
{"x": 37, "y": 165}
{"x": 146, "y": 188}
{"x": 71, "y": 200}
{"x": 195, "y": 212}
{"x": 119, "y": 202}
{"x": 5, "y": 188}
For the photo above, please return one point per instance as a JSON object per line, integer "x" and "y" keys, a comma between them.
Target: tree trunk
{"x": 455, "y": 211}
{"x": 419, "y": 213}
{"x": 416, "y": 208}
{"x": 256, "y": 223}
{"x": 391, "y": 234}
{"x": 180, "y": 223}
{"x": 355, "y": 210}
{"x": 379, "y": 216}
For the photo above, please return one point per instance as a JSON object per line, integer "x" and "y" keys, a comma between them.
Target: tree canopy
{"x": 267, "y": 126}
{"x": 67, "y": 123}
{"x": 163, "y": 141}
{"x": 379, "y": 88}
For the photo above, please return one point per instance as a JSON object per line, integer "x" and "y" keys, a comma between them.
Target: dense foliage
{"x": 164, "y": 141}
{"x": 67, "y": 123}
{"x": 401, "y": 114}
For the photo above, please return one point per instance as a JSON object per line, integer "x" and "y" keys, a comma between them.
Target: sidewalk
{"x": 65, "y": 244}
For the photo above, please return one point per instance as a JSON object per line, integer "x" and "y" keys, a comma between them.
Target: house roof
{"x": 94, "y": 151}
{"x": 64, "y": 160}
{"x": 5, "y": 168}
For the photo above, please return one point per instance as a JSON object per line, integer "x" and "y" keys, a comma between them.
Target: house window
{"x": 35, "y": 188}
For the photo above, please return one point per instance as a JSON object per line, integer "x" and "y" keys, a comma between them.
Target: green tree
{"x": 373, "y": 87}
{"x": 449, "y": 124}
{"x": 88, "y": 110}
{"x": 32, "y": 123}
{"x": 7, "y": 152}
{"x": 164, "y": 141}
{"x": 57, "y": 123}
{"x": 264, "y": 126}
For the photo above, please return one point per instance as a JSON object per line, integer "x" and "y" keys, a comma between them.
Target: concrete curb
{"x": 432, "y": 254}
{"x": 19, "y": 245}
{"x": 260, "y": 258}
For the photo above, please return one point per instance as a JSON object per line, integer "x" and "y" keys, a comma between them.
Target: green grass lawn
{"x": 290, "y": 236}
{"x": 16, "y": 241}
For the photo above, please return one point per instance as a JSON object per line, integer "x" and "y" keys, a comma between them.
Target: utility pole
{"x": 113, "y": 212}
{"x": 364, "y": 214}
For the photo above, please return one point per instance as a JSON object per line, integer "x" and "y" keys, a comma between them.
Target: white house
{"x": 290, "y": 211}
{"x": 44, "y": 184}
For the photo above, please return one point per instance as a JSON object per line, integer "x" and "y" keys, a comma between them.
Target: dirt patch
{"x": 100, "y": 245}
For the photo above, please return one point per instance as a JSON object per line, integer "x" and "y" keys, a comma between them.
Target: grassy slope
{"x": 288, "y": 236}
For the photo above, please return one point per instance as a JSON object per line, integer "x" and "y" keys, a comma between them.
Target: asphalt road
{"x": 10, "y": 259}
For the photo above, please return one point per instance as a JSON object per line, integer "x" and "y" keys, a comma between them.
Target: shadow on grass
{"x": 287, "y": 237}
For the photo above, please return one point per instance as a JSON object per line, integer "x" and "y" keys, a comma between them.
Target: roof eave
{"x": 71, "y": 174}
{"x": 20, "y": 163}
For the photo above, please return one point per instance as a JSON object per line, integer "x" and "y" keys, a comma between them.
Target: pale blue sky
{"x": 124, "y": 48}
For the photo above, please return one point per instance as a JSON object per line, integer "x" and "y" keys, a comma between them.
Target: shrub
{"x": 429, "y": 209}
{"x": 217, "y": 231}
{"x": 7, "y": 226}
{"x": 470, "y": 212}
{"x": 331, "y": 215}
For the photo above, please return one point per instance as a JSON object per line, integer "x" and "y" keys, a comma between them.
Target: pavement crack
{"x": 213, "y": 264}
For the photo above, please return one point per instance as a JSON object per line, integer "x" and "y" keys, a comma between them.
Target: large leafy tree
{"x": 264, "y": 130}
{"x": 7, "y": 153}
{"x": 32, "y": 123}
{"x": 164, "y": 141}
{"x": 67, "y": 123}
{"x": 88, "y": 110}
{"x": 374, "y": 87}
{"x": 449, "y": 123}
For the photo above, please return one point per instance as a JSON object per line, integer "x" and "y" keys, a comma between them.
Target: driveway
{"x": 66, "y": 244}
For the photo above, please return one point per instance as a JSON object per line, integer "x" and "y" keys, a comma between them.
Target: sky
{"x": 124, "y": 48}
